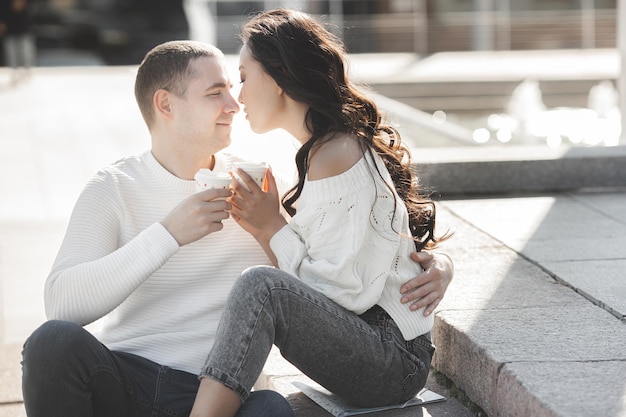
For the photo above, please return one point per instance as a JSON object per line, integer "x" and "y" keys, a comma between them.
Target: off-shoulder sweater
{"x": 349, "y": 241}
{"x": 160, "y": 301}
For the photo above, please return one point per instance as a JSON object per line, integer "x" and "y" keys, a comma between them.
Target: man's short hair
{"x": 167, "y": 67}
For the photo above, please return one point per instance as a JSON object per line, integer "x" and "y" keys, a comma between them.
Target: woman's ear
{"x": 163, "y": 103}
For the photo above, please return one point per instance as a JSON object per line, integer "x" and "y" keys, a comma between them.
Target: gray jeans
{"x": 361, "y": 358}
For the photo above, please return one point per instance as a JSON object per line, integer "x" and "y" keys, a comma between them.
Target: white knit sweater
{"x": 161, "y": 301}
{"x": 346, "y": 242}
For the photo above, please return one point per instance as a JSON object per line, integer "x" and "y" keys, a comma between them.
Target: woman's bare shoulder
{"x": 334, "y": 157}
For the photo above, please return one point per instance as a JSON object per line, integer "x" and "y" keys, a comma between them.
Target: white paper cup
{"x": 209, "y": 180}
{"x": 255, "y": 169}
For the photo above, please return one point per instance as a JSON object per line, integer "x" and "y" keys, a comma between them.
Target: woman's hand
{"x": 257, "y": 211}
{"x": 428, "y": 288}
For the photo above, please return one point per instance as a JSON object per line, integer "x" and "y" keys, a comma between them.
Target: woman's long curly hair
{"x": 308, "y": 63}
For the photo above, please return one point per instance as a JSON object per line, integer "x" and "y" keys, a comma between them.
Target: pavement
{"x": 533, "y": 323}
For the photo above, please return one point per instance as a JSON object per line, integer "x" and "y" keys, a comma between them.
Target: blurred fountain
{"x": 603, "y": 99}
{"x": 527, "y": 120}
{"x": 526, "y": 101}
{"x": 523, "y": 108}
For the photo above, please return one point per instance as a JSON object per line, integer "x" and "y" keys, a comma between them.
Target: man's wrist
{"x": 450, "y": 261}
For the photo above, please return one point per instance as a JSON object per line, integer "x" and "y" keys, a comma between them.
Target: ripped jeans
{"x": 362, "y": 358}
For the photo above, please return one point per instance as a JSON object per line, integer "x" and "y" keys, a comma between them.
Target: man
{"x": 19, "y": 42}
{"x": 153, "y": 258}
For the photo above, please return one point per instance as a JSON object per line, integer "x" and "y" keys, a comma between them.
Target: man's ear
{"x": 163, "y": 103}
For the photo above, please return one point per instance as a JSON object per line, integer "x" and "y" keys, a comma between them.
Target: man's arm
{"x": 95, "y": 271}
{"x": 428, "y": 288}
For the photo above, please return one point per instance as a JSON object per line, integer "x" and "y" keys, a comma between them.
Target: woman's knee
{"x": 258, "y": 280}
{"x": 261, "y": 273}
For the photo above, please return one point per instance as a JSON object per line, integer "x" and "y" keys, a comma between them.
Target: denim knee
{"x": 261, "y": 274}
{"x": 263, "y": 277}
{"x": 52, "y": 343}
{"x": 53, "y": 336}
{"x": 257, "y": 281}
{"x": 266, "y": 403}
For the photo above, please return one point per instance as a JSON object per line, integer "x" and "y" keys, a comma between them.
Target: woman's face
{"x": 260, "y": 96}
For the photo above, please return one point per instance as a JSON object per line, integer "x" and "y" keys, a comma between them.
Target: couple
{"x": 159, "y": 262}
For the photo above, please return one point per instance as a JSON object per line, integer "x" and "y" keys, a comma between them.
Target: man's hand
{"x": 428, "y": 288}
{"x": 198, "y": 215}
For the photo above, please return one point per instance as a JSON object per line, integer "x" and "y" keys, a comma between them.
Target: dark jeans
{"x": 67, "y": 372}
{"x": 363, "y": 359}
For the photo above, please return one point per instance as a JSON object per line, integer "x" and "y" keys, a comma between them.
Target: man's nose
{"x": 232, "y": 105}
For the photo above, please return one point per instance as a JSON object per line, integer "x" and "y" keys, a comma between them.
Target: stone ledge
{"x": 510, "y": 169}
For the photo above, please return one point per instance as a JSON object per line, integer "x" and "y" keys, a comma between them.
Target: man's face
{"x": 204, "y": 116}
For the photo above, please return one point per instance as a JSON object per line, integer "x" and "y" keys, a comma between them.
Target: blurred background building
{"x": 116, "y": 32}
{"x": 515, "y": 105}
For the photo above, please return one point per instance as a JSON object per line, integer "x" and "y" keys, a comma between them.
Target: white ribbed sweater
{"x": 161, "y": 301}
{"x": 342, "y": 243}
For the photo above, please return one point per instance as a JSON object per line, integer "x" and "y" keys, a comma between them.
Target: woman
{"x": 332, "y": 307}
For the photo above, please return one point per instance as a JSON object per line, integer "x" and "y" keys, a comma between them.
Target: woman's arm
{"x": 332, "y": 243}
